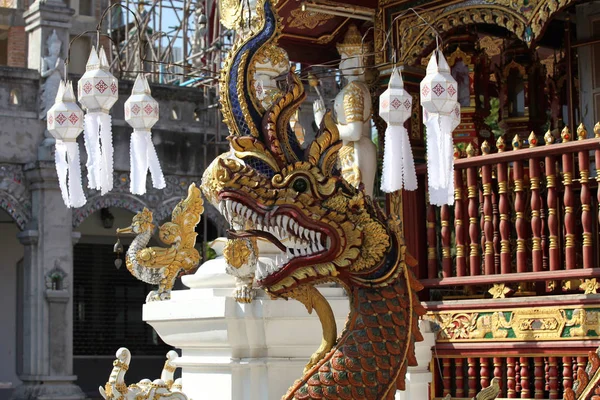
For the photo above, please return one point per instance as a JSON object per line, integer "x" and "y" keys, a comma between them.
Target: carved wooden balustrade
{"x": 519, "y": 375}
{"x": 523, "y": 219}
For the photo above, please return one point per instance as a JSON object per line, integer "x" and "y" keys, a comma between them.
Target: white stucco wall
{"x": 11, "y": 251}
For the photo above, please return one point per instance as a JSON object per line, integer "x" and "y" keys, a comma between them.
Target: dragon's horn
{"x": 324, "y": 149}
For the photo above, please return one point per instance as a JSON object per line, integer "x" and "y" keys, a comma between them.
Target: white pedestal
{"x": 233, "y": 351}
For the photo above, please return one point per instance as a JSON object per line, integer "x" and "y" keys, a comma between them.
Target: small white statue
{"x": 52, "y": 70}
{"x": 163, "y": 388}
{"x": 272, "y": 61}
{"x": 352, "y": 108}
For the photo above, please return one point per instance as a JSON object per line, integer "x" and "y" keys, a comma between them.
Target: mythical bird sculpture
{"x": 163, "y": 388}
{"x": 326, "y": 229}
{"x": 157, "y": 265}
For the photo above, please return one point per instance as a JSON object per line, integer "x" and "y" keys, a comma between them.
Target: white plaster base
{"x": 248, "y": 351}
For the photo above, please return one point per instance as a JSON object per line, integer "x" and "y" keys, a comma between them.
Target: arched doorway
{"x": 10, "y": 270}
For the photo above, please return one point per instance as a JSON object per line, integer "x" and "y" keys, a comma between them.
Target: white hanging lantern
{"x": 439, "y": 101}
{"x": 65, "y": 122}
{"x": 141, "y": 112}
{"x": 395, "y": 107}
{"x": 98, "y": 91}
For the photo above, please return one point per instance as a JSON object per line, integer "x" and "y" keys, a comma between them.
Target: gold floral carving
{"x": 231, "y": 13}
{"x": 499, "y": 291}
{"x": 237, "y": 251}
{"x": 590, "y": 286}
{"x": 354, "y": 103}
{"x": 307, "y": 19}
{"x": 491, "y": 46}
{"x": 527, "y": 324}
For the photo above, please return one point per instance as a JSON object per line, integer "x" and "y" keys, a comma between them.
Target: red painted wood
{"x": 460, "y": 378}
{"x": 525, "y": 390}
{"x": 472, "y": 377}
{"x": 496, "y": 229}
{"x": 515, "y": 278}
{"x": 553, "y": 377}
{"x": 488, "y": 229}
{"x": 431, "y": 243}
{"x": 459, "y": 228}
{"x": 538, "y": 377}
{"x": 552, "y": 204}
{"x": 510, "y": 378}
{"x": 498, "y": 361}
{"x": 569, "y": 216}
{"x": 524, "y": 154}
{"x": 536, "y": 222}
{"x": 446, "y": 239}
{"x": 446, "y": 377}
{"x": 473, "y": 210}
{"x": 517, "y": 376}
{"x": 586, "y": 216}
{"x": 484, "y": 372}
{"x": 567, "y": 373}
{"x": 505, "y": 256}
{"x": 520, "y": 222}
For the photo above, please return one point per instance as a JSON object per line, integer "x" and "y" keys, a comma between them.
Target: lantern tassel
{"x": 62, "y": 168}
{"x": 76, "y": 195}
{"x": 92, "y": 147}
{"x": 143, "y": 157}
{"x": 440, "y": 159}
{"x": 398, "y": 164}
{"x": 158, "y": 179}
{"x": 106, "y": 168}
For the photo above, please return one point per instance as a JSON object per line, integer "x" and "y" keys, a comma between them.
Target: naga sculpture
{"x": 157, "y": 265}
{"x": 163, "y": 388}
{"x": 327, "y": 231}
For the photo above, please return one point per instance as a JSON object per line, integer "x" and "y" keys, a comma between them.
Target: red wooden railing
{"x": 520, "y": 216}
{"x": 537, "y": 376}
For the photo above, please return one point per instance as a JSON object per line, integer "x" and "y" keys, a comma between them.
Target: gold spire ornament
{"x": 352, "y": 45}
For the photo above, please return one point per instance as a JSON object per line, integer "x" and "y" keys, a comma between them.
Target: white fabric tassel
{"x": 77, "y": 197}
{"x": 138, "y": 162}
{"x": 158, "y": 179}
{"x": 62, "y": 168}
{"x": 92, "y": 147}
{"x": 398, "y": 164}
{"x": 106, "y": 174}
{"x": 143, "y": 158}
{"x": 440, "y": 159}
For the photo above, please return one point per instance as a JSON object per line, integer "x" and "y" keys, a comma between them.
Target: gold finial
{"x": 485, "y": 147}
{"x": 597, "y": 129}
{"x": 581, "y": 132}
{"x": 456, "y": 152}
{"x": 470, "y": 150}
{"x": 532, "y": 139}
{"x": 500, "y": 144}
{"x": 549, "y": 137}
{"x": 566, "y": 134}
{"x": 517, "y": 143}
{"x": 313, "y": 81}
{"x": 352, "y": 45}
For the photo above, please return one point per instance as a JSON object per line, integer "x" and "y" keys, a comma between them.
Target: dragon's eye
{"x": 300, "y": 185}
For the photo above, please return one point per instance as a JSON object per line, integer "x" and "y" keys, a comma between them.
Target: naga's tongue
{"x": 233, "y": 234}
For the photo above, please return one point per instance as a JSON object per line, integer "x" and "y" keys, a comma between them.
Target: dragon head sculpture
{"x": 327, "y": 230}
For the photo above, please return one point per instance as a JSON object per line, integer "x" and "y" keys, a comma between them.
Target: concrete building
{"x": 66, "y": 308}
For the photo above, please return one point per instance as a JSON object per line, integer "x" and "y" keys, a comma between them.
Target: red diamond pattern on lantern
{"x": 438, "y": 90}
{"x": 73, "y": 118}
{"x": 451, "y": 90}
{"x": 149, "y": 109}
{"x": 101, "y": 86}
{"x": 385, "y": 104}
{"x": 87, "y": 87}
{"x": 425, "y": 90}
{"x": 396, "y": 103}
{"x": 113, "y": 88}
{"x": 50, "y": 120}
{"x": 407, "y": 104}
{"x": 135, "y": 109}
{"x": 61, "y": 118}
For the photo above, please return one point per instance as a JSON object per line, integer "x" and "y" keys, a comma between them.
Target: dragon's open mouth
{"x": 303, "y": 241}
